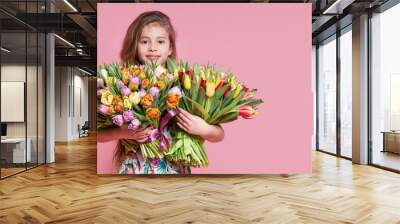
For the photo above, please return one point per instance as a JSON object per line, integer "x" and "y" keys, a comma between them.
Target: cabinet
{"x": 391, "y": 142}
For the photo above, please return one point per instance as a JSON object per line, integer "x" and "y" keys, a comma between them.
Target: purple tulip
{"x": 120, "y": 84}
{"x": 154, "y": 91}
{"x": 170, "y": 77}
{"x": 128, "y": 116}
{"x": 174, "y": 90}
{"x": 142, "y": 93}
{"x": 103, "y": 109}
{"x": 99, "y": 92}
{"x": 135, "y": 80}
{"x": 125, "y": 91}
{"x": 135, "y": 124}
{"x": 157, "y": 73}
{"x": 118, "y": 120}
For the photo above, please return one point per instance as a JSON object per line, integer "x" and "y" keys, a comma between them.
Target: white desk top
{"x": 13, "y": 140}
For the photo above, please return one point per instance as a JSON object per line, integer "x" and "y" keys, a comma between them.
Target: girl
{"x": 151, "y": 37}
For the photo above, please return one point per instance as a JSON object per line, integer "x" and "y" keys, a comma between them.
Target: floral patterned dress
{"x": 135, "y": 164}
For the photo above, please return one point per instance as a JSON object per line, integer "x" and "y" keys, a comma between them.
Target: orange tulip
{"x": 147, "y": 100}
{"x": 118, "y": 107}
{"x": 153, "y": 113}
{"x": 173, "y": 100}
{"x": 160, "y": 84}
{"x": 145, "y": 83}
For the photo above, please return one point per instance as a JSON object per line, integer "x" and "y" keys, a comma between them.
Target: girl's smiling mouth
{"x": 152, "y": 57}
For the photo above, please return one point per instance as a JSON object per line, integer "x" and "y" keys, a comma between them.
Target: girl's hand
{"x": 195, "y": 125}
{"x": 140, "y": 135}
{"x": 192, "y": 124}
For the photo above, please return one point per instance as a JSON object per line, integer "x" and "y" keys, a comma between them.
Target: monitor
{"x": 3, "y": 129}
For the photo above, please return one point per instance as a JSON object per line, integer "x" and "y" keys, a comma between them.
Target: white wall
{"x": 61, "y": 103}
{"x": 34, "y": 124}
{"x": 70, "y": 83}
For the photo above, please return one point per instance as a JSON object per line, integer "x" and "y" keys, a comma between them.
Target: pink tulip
{"x": 120, "y": 84}
{"x": 135, "y": 80}
{"x": 154, "y": 91}
{"x": 174, "y": 90}
{"x": 170, "y": 77}
{"x": 247, "y": 112}
{"x": 125, "y": 91}
{"x": 142, "y": 93}
{"x": 248, "y": 95}
{"x": 135, "y": 124}
{"x": 103, "y": 109}
{"x": 128, "y": 116}
{"x": 118, "y": 120}
{"x": 99, "y": 92}
{"x": 157, "y": 73}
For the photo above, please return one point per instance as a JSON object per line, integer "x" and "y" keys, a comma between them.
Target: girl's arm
{"x": 139, "y": 135}
{"x": 197, "y": 126}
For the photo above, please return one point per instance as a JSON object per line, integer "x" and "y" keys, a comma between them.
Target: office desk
{"x": 15, "y": 148}
{"x": 391, "y": 141}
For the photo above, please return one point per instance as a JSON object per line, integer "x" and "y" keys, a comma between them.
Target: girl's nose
{"x": 153, "y": 47}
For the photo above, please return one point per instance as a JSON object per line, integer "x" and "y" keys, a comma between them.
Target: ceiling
{"x": 76, "y": 22}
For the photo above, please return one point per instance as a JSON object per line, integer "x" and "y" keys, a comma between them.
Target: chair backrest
{"x": 86, "y": 125}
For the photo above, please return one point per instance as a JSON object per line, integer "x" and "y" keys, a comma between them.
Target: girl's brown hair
{"x": 129, "y": 47}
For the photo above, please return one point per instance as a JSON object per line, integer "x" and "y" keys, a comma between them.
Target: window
{"x": 327, "y": 95}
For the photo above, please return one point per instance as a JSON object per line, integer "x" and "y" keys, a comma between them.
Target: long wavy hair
{"x": 129, "y": 47}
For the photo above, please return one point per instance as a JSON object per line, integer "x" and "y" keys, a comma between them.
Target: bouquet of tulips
{"x": 148, "y": 95}
{"x": 136, "y": 97}
{"x": 213, "y": 95}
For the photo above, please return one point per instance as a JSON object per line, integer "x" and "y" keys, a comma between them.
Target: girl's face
{"x": 154, "y": 44}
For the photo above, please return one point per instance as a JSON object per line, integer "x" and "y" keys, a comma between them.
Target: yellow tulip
{"x": 233, "y": 83}
{"x": 176, "y": 72}
{"x": 186, "y": 82}
{"x": 210, "y": 89}
{"x": 161, "y": 69}
{"x": 132, "y": 86}
{"x": 134, "y": 98}
{"x": 106, "y": 97}
{"x": 127, "y": 103}
{"x": 110, "y": 81}
{"x": 218, "y": 81}
{"x": 203, "y": 75}
{"x": 237, "y": 90}
{"x": 142, "y": 74}
{"x": 125, "y": 79}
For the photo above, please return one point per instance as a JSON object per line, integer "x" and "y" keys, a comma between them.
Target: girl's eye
{"x": 161, "y": 41}
{"x": 143, "y": 42}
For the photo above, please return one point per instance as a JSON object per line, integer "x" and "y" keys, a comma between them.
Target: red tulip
{"x": 221, "y": 83}
{"x": 247, "y": 112}
{"x": 227, "y": 91}
{"x": 190, "y": 73}
{"x": 248, "y": 95}
{"x": 203, "y": 83}
{"x": 180, "y": 76}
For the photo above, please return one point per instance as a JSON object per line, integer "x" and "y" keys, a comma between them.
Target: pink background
{"x": 268, "y": 46}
